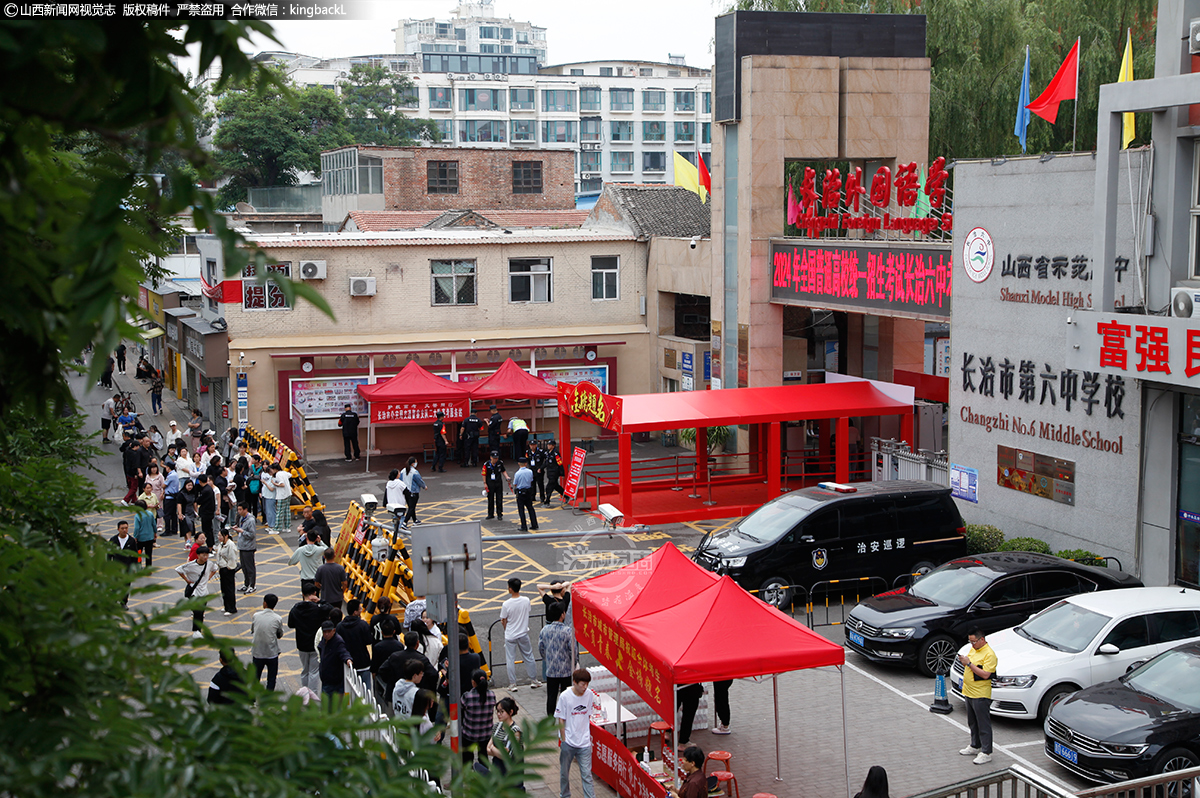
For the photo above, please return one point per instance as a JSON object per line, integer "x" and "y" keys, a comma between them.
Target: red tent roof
{"x": 412, "y": 384}
{"x": 648, "y": 412}
{"x": 510, "y": 381}
{"x": 651, "y": 584}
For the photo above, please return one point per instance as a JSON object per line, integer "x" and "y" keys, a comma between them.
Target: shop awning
{"x": 152, "y": 333}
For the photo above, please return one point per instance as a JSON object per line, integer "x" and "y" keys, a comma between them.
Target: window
{"x": 822, "y": 526}
{"x": 523, "y": 130}
{"x": 685, "y": 131}
{"x": 1176, "y": 626}
{"x": 653, "y": 100}
{"x": 559, "y": 132}
{"x": 589, "y": 98}
{"x": 445, "y": 128}
{"x": 688, "y": 156}
{"x": 706, "y": 133}
{"x": 442, "y": 177}
{"x": 558, "y": 100}
{"x": 475, "y": 130}
{"x": 527, "y": 177}
{"x": 262, "y": 296}
{"x": 645, "y": 72}
{"x": 1006, "y": 592}
{"x": 622, "y": 131}
{"x": 488, "y": 32}
{"x": 408, "y": 97}
{"x": 529, "y": 280}
{"x": 685, "y": 100}
{"x": 654, "y": 131}
{"x": 576, "y": 72}
{"x": 606, "y": 72}
{"x": 706, "y": 102}
{"x": 622, "y": 162}
{"x": 521, "y": 99}
{"x": 444, "y": 30}
{"x": 589, "y": 128}
{"x": 460, "y": 34}
{"x": 1054, "y": 585}
{"x": 589, "y": 161}
{"x": 522, "y": 37}
{"x": 489, "y": 48}
{"x": 506, "y": 34}
{"x": 620, "y": 99}
{"x": 370, "y": 175}
{"x": 506, "y": 48}
{"x": 453, "y": 282}
{"x": 604, "y": 276}
{"x": 1129, "y": 633}
{"x": 654, "y": 161}
{"x": 439, "y": 97}
{"x": 480, "y": 100}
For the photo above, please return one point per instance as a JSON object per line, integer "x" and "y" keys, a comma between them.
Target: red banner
{"x": 617, "y": 767}
{"x": 585, "y": 401}
{"x": 573, "y": 474}
{"x": 649, "y": 678}
{"x": 419, "y": 412}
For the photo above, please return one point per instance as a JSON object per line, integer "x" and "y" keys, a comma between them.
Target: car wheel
{"x": 777, "y": 592}
{"x": 1172, "y": 760}
{"x": 1053, "y": 697}
{"x": 936, "y": 655}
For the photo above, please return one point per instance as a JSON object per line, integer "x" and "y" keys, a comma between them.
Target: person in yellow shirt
{"x": 979, "y": 667}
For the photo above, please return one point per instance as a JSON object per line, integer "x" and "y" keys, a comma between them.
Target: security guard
{"x": 522, "y": 484}
{"x": 470, "y": 431}
{"x": 439, "y": 442}
{"x": 494, "y": 430}
{"x": 537, "y": 464}
{"x": 554, "y": 472}
{"x": 494, "y": 477}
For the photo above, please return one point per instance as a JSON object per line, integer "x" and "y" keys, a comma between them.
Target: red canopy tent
{"x": 414, "y": 396}
{"x": 663, "y": 621}
{"x": 510, "y": 381}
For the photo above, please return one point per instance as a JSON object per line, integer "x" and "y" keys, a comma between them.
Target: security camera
{"x": 242, "y": 355}
{"x": 695, "y": 240}
{"x": 472, "y": 340}
{"x": 228, "y": 362}
{"x": 252, "y": 362}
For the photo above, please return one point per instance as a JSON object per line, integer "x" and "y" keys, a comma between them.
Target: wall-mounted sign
{"x": 927, "y": 216}
{"x": 585, "y": 401}
{"x": 1024, "y": 471}
{"x": 418, "y": 412}
{"x": 326, "y": 398}
{"x": 1156, "y": 348}
{"x": 885, "y": 280}
{"x": 979, "y": 254}
{"x": 964, "y": 483}
{"x": 685, "y": 363}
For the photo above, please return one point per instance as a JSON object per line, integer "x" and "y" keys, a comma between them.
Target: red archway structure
{"x": 757, "y": 477}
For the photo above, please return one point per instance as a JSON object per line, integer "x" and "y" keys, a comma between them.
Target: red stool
{"x": 763, "y": 795}
{"x": 664, "y": 730}
{"x": 726, "y": 778}
{"x": 721, "y": 757}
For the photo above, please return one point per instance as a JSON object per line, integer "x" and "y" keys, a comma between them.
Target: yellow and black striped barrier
{"x": 371, "y": 579}
{"x": 272, "y": 450}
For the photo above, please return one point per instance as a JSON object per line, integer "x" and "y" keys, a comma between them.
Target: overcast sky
{"x": 607, "y": 29}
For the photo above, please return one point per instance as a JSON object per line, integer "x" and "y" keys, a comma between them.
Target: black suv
{"x": 926, "y": 623}
{"x": 810, "y": 537}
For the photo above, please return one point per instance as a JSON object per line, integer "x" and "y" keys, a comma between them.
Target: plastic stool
{"x": 763, "y": 795}
{"x": 721, "y": 757}
{"x": 726, "y": 778}
{"x": 664, "y": 730}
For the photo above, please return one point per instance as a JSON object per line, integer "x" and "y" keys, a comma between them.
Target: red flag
{"x": 793, "y": 208}
{"x": 1063, "y": 87}
{"x": 705, "y": 179}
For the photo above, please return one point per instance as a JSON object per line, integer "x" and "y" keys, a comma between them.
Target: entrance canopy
{"x": 414, "y": 384}
{"x": 510, "y": 381}
{"x": 650, "y": 412}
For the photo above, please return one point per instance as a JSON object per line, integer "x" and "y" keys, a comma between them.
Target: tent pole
{"x": 674, "y": 753}
{"x": 845, "y": 732}
{"x": 370, "y": 431}
{"x": 778, "y": 757}
{"x": 617, "y": 720}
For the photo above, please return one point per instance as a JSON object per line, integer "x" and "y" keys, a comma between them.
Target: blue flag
{"x": 1022, "y": 102}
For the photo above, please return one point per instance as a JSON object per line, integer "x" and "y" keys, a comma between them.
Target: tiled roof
{"x": 662, "y": 210}
{"x": 382, "y": 221}
{"x": 428, "y": 237}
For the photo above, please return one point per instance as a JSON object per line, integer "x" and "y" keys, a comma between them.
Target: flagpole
{"x": 1075, "y": 123}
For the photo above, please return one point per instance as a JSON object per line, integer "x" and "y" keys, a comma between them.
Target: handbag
{"x": 190, "y": 590}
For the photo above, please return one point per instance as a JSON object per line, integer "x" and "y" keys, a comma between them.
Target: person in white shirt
{"x": 282, "y": 481}
{"x": 514, "y": 616}
{"x": 227, "y": 565}
{"x": 196, "y": 574}
{"x": 573, "y": 713}
{"x": 185, "y": 466}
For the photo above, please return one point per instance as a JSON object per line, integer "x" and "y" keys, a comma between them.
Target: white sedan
{"x": 1081, "y": 641}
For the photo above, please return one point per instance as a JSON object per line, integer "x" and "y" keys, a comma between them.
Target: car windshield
{"x": 1065, "y": 626}
{"x": 952, "y": 585}
{"x": 773, "y": 520}
{"x": 1173, "y": 677}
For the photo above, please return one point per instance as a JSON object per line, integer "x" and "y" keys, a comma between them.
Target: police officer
{"x": 494, "y": 430}
{"x": 348, "y": 421}
{"x": 470, "y": 431}
{"x": 494, "y": 477}
{"x": 554, "y": 472}
{"x": 439, "y": 442}
{"x": 522, "y": 484}
{"x": 537, "y": 464}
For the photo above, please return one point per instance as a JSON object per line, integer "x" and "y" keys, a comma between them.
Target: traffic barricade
{"x": 272, "y": 450}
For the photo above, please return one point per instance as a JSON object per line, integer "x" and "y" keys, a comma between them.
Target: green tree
{"x": 374, "y": 98}
{"x": 267, "y": 136}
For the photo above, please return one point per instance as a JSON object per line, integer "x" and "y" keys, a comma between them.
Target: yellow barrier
{"x": 272, "y": 450}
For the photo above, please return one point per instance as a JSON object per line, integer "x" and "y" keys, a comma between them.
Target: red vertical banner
{"x": 616, "y": 766}
{"x": 576, "y": 470}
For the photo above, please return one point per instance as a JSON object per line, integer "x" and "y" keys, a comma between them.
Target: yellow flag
{"x": 1125, "y": 76}
{"x": 687, "y": 176}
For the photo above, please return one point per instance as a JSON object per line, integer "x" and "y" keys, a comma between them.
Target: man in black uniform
{"x": 348, "y": 421}
{"x": 439, "y": 442}
{"x": 470, "y": 431}
{"x": 494, "y": 477}
{"x": 494, "y": 430}
{"x": 537, "y": 464}
{"x": 554, "y": 471}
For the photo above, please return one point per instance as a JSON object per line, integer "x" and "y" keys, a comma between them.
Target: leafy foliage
{"x": 1025, "y": 544}
{"x": 1083, "y": 556}
{"x": 983, "y": 538}
{"x": 374, "y": 97}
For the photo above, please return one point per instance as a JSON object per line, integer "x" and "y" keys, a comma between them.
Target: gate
{"x": 893, "y": 459}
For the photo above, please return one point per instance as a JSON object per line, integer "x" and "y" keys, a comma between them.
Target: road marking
{"x": 919, "y": 695}
{"x": 1024, "y": 744}
{"x": 955, "y": 724}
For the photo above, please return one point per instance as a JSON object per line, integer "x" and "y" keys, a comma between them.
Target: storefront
{"x": 155, "y": 300}
{"x": 174, "y": 373}
{"x": 206, "y": 355}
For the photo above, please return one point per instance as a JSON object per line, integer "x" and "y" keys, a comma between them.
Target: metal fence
{"x": 1013, "y": 782}
{"x": 893, "y": 459}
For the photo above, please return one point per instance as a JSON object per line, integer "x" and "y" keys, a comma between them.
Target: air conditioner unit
{"x": 591, "y": 145}
{"x": 588, "y": 175}
{"x": 362, "y": 286}
{"x": 1194, "y": 37}
{"x": 312, "y": 270}
{"x": 1185, "y": 302}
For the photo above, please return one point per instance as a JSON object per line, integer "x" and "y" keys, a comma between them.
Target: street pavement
{"x": 886, "y": 710}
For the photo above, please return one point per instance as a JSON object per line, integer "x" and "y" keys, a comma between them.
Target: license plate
{"x": 855, "y": 638}
{"x": 957, "y": 684}
{"x": 1068, "y": 754}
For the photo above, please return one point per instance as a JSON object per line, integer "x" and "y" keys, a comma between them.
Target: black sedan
{"x": 925, "y": 624}
{"x": 1143, "y": 724}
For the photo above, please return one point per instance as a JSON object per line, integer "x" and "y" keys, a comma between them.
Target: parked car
{"x": 924, "y": 624}
{"x": 1145, "y": 723}
{"x": 832, "y": 531}
{"x": 1081, "y": 641}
